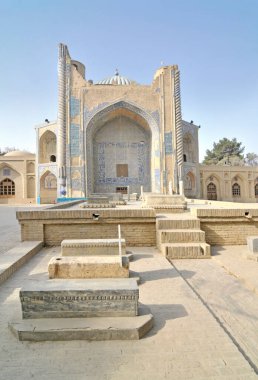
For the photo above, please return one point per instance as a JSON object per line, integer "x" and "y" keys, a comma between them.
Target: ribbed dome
{"x": 18, "y": 153}
{"x": 116, "y": 80}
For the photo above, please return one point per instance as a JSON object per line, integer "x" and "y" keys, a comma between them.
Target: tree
{"x": 251, "y": 159}
{"x": 224, "y": 149}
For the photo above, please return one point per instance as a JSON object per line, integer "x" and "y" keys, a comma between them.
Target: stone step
{"x": 92, "y": 329}
{"x": 59, "y": 298}
{"x": 181, "y": 236}
{"x": 13, "y": 259}
{"x": 163, "y": 224}
{"x": 186, "y": 250}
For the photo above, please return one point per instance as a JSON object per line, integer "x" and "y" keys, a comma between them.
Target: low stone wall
{"x": 138, "y": 226}
{"x": 227, "y": 226}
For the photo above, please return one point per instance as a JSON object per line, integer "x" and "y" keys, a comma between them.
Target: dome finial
{"x": 116, "y": 72}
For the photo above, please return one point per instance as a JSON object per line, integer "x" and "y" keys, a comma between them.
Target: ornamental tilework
{"x": 168, "y": 143}
{"x": 106, "y": 173}
{"x": 156, "y": 116}
{"x": 74, "y": 106}
{"x": 75, "y": 140}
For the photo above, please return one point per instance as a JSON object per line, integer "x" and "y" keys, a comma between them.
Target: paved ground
{"x": 187, "y": 341}
{"x": 206, "y": 324}
{"x": 9, "y": 226}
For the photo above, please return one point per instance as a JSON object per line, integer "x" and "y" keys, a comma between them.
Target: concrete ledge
{"x": 13, "y": 259}
{"x": 92, "y": 247}
{"x": 92, "y": 329}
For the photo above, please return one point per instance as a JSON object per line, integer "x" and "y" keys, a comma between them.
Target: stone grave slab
{"x": 60, "y": 298}
{"x": 89, "y": 267}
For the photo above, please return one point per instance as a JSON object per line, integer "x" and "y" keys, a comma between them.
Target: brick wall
{"x": 138, "y": 227}
{"x": 228, "y": 226}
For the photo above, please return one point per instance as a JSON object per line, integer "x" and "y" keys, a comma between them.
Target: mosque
{"x": 117, "y": 135}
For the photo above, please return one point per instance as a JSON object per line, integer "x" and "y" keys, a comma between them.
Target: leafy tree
{"x": 251, "y": 159}
{"x": 224, "y": 149}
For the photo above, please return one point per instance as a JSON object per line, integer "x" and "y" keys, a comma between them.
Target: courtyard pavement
{"x": 9, "y": 226}
{"x": 206, "y": 324}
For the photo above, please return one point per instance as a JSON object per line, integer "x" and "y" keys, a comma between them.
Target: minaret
{"x": 179, "y": 132}
{"x": 61, "y": 121}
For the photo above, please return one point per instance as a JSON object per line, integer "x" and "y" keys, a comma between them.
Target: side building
{"x": 229, "y": 183}
{"x": 17, "y": 178}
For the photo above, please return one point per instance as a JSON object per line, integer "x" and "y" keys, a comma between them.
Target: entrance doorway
{"x": 212, "y": 191}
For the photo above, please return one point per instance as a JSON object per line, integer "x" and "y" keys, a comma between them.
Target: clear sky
{"x": 214, "y": 42}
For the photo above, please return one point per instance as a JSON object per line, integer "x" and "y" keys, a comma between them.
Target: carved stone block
{"x": 80, "y": 298}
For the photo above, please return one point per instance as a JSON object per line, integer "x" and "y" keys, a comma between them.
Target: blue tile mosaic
{"x": 168, "y": 143}
{"x": 75, "y": 140}
{"x": 74, "y": 106}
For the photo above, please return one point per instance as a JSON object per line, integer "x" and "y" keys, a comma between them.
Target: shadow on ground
{"x": 161, "y": 314}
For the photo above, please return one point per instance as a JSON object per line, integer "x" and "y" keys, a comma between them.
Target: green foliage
{"x": 251, "y": 159}
{"x": 223, "y": 150}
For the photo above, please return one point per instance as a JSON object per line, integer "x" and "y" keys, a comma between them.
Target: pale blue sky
{"x": 215, "y": 44}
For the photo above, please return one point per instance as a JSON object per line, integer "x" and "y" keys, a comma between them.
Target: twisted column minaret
{"x": 61, "y": 118}
{"x": 178, "y": 122}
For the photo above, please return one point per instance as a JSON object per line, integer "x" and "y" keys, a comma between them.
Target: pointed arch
{"x": 47, "y": 147}
{"x": 133, "y": 112}
{"x": 188, "y": 147}
{"x": 48, "y": 187}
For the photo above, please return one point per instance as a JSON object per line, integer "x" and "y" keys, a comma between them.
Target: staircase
{"x": 179, "y": 237}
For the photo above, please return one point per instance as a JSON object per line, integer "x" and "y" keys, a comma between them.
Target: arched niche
{"x": 189, "y": 184}
{"x": 189, "y": 153}
{"x": 47, "y": 147}
{"x": 30, "y": 167}
{"x": 48, "y": 187}
{"x": 120, "y": 141}
{"x": 31, "y": 187}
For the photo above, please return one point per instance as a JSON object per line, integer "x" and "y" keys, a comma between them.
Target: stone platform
{"x": 93, "y": 247}
{"x": 91, "y": 329}
{"x": 165, "y": 203}
{"x": 80, "y": 298}
{"x": 89, "y": 267}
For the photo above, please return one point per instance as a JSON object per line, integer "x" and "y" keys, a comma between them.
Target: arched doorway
{"x": 7, "y": 188}
{"x": 212, "y": 191}
{"x": 48, "y": 188}
{"x": 236, "y": 190}
{"x": 119, "y": 145}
